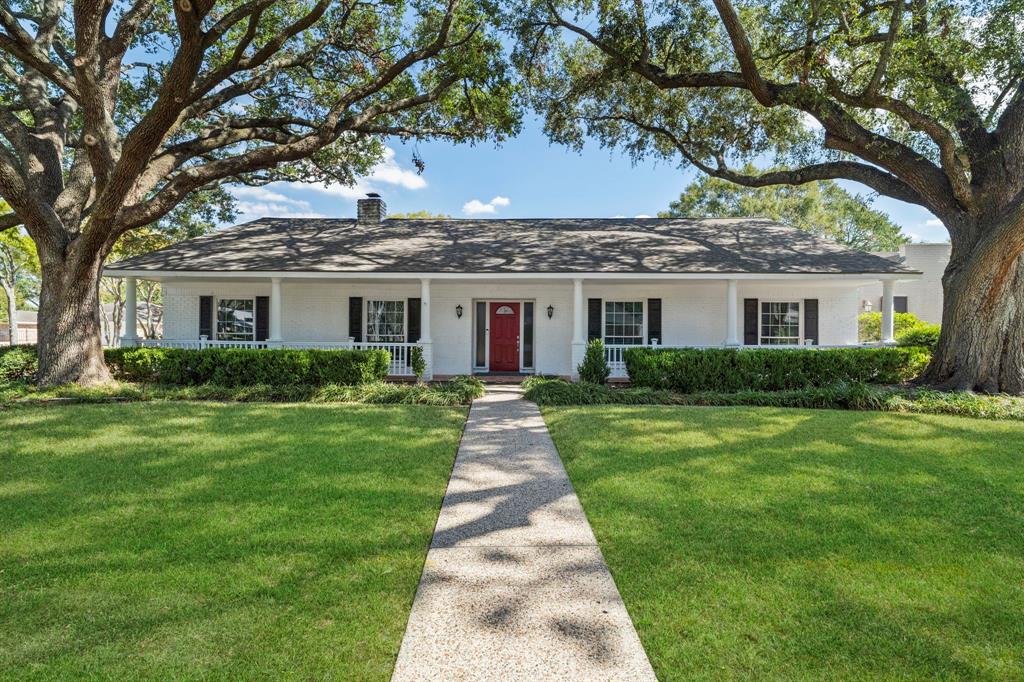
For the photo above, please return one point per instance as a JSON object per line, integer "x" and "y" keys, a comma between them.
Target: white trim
{"x": 262, "y": 275}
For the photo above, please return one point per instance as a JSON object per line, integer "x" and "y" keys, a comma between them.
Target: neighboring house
{"x": 508, "y": 295}
{"x": 923, "y": 296}
{"x": 28, "y": 328}
{"x": 149, "y": 322}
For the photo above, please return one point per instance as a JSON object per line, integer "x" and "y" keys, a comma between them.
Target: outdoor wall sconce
{"x": 551, "y": 311}
{"x": 458, "y": 311}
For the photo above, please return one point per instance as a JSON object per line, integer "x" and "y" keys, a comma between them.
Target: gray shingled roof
{"x": 584, "y": 245}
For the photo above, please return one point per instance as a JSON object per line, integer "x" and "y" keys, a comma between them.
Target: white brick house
{"x": 509, "y": 296}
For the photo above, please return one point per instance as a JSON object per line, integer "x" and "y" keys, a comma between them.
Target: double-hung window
{"x": 624, "y": 323}
{"x": 236, "y": 319}
{"x": 385, "y": 321}
{"x": 780, "y": 323}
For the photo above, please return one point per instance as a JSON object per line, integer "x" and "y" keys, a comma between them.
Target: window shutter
{"x": 414, "y": 309}
{"x": 899, "y": 304}
{"x": 593, "y": 319}
{"x": 654, "y": 320}
{"x": 262, "y": 318}
{"x": 355, "y": 317}
{"x": 811, "y": 320}
{"x": 206, "y": 316}
{"x": 750, "y": 322}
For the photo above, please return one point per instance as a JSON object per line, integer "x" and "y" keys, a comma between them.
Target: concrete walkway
{"x": 514, "y": 586}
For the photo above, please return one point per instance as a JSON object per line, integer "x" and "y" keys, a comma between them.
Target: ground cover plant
{"x": 204, "y": 540}
{"x": 769, "y": 544}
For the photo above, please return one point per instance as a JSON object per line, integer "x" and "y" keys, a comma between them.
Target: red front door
{"x": 504, "y": 337}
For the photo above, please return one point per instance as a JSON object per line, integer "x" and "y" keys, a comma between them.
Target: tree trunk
{"x": 70, "y": 341}
{"x": 12, "y": 317}
{"x": 982, "y": 342}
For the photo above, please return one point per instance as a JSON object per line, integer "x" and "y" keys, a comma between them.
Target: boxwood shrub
{"x": 688, "y": 370}
{"x": 246, "y": 367}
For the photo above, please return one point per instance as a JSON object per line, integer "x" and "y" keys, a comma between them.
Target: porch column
{"x": 131, "y": 323}
{"x": 274, "y": 331}
{"x": 425, "y": 343}
{"x": 732, "y": 327}
{"x": 579, "y": 340}
{"x": 888, "y": 286}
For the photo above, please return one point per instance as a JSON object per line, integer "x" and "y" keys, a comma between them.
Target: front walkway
{"x": 514, "y": 586}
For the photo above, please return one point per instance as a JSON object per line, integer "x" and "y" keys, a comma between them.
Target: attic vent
{"x": 372, "y": 209}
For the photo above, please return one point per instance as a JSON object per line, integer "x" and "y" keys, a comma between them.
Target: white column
{"x": 425, "y": 342}
{"x": 275, "y": 311}
{"x": 131, "y": 323}
{"x": 579, "y": 339}
{"x": 732, "y": 326}
{"x": 888, "y": 286}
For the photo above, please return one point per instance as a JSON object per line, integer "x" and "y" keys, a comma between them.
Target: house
{"x": 148, "y": 317}
{"x": 27, "y": 324}
{"x": 500, "y": 296}
{"x": 922, "y": 296}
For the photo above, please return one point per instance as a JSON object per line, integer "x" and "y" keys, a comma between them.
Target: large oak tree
{"x": 919, "y": 100}
{"x": 112, "y": 112}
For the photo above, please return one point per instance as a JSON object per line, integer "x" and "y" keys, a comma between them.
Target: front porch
{"x": 503, "y": 324}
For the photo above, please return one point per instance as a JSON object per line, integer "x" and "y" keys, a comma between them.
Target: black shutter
{"x": 262, "y": 318}
{"x": 750, "y": 322}
{"x": 654, "y": 320}
{"x": 414, "y": 308}
{"x": 899, "y": 304}
{"x": 206, "y": 316}
{"x": 355, "y": 317}
{"x": 811, "y": 320}
{"x": 593, "y": 319}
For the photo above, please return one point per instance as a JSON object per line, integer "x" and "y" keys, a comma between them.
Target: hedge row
{"x": 842, "y": 396}
{"x": 230, "y": 367}
{"x": 688, "y": 370}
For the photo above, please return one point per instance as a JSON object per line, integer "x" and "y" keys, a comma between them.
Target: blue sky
{"x": 526, "y": 177}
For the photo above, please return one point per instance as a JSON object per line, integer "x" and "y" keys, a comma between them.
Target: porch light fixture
{"x": 551, "y": 311}
{"x": 458, "y": 311}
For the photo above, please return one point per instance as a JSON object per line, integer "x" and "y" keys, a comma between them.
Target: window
{"x": 899, "y": 304}
{"x": 236, "y": 319}
{"x": 780, "y": 323}
{"x": 480, "y": 357}
{"x": 385, "y": 321}
{"x": 528, "y": 334}
{"x": 624, "y": 323}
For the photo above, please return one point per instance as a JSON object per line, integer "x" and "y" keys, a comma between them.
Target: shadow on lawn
{"x": 228, "y": 538}
{"x": 786, "y": 543}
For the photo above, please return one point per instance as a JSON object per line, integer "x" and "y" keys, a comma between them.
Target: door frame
{"x": 486, "y": 368}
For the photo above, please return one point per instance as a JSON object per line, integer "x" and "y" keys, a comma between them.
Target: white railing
{"x": 613, "y": 354}
{"x": 401, "y": 353}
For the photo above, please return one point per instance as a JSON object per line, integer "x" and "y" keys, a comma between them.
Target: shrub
{"x": 232, "y": 367}
{"x": 688, "y": 370}
{"x": 594, "y": 368}
{"x": 18, "y": 363}
{"x": 870, "y": 325}
{"x": 419, "y": 364}
{"x": 843, "y": 396}
{"x": 924, "y": 335}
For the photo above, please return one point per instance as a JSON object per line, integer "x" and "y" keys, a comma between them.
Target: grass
{"x": 782, "y": 544}
{"x": 213, "y": 541}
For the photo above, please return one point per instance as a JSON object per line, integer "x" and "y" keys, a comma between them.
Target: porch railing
{"x": 401, "y": 353}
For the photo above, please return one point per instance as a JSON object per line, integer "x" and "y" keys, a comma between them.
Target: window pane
{"x": 385, "y": 321}
{"x": 528, "y": 335}
{"x": 780, "y": 323}
{"x": 481, "y": 335}
{"x": 624, "y": 322}
{"x": 236, "y": 319}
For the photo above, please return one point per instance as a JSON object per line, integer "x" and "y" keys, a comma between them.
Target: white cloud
{"x": 933, "y": 222}
{"x": 641, "y": 215}
{"x": 387, "y": 172}
{"x": 476, "y": 207}
{"x": 260, "y": 202}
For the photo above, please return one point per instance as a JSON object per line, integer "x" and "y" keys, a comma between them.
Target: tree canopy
{"x": 823, "y": 208}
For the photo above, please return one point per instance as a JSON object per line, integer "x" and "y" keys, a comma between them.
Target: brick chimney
{"x": 372, "y": 209}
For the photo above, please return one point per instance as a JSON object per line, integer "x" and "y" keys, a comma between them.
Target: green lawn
{"x": 185, "y": 540}
{"x": 788, "y": 544}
